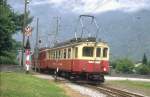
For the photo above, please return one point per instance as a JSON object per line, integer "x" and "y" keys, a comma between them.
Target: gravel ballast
{"x": 85, "y": 91}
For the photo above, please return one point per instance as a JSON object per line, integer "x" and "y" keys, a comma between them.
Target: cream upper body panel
{"x": 100, "y": 45}
{"x": 75, "y": 51}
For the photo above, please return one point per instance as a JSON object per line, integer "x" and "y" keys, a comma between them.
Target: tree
{"x": 144, "y": 60}
{"x": 10, "y": 23}
{"x": 7, "y": 26}
{"x": 144, "y": 68}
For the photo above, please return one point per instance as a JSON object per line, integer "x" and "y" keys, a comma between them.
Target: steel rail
{"x": 123, "y": 92}
{"x": 109, "y": 91}
{"x": 113, "y": 92}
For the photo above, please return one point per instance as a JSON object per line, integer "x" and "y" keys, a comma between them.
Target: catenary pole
{"x": 23, "y": 30}
{"x": 37, "y": 45}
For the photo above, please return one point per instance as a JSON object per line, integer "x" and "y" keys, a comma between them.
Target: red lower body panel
{"x": 90, "y": 66}
{"x": 64, "y": 65}
{"x": 77, "y": 66}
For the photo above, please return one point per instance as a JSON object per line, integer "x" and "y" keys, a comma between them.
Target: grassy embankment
{"x": 132, "y": 86}
{"x": 22, "y": 85}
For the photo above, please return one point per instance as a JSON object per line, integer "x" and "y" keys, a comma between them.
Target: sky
{"x": 89, "y": 6}
{"x": 98, "y": 6}
{"x": 124, "y": 24}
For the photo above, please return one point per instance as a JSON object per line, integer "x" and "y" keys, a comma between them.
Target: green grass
{"x": 23, "y": 85}
{"x": 134, "y": 84}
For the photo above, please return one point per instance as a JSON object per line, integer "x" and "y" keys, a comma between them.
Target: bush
{"x": 113, "y": 64}
{"x": 8, "y": 58}
{"x": 143, "y": 69}
{"x": 124, "y": 66}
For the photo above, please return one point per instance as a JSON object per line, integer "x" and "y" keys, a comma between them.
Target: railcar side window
{"x": 59, "y": 54}
{"x": 69, "y": 52}
{"x": 76, "y": 52}
{"x": 105, "y": 50}
{"x": 55, "y": 54}
{"x": 52, "y": 54}
{"x": 98, "y": 52}
{"x": 87, "y": 51}
{"x": 64, "y": 53}
{"x": 49, "y": 54}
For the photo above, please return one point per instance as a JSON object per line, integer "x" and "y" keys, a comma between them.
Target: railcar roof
{"x": 74, "y": 42}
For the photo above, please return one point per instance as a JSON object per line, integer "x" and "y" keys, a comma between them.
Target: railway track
{"x": 109, "y": 91}
{"x": 113, "y": 92}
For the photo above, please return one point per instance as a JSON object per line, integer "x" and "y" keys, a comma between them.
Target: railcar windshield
{"x": 105, "y": 51}
{"x": 98, "y": 52}
{"x": 87, "y": 51}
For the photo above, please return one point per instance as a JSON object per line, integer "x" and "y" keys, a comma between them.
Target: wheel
{"x": 102, "y": 79}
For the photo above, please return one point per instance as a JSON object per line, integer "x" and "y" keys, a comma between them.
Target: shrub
{"x": 8, "y": 58}
{"x": 143, "y": 69}
{"x": 124, "y": 65}
{"x": 113, "y": 64}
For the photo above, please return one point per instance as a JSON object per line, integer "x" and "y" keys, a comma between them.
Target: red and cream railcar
{"x": 87, "y": 58}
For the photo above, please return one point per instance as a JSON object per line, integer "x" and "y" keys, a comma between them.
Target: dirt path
{"x": 70, "y": 92}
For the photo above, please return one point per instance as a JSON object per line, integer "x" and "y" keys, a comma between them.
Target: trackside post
{"x": 28, "y": 56}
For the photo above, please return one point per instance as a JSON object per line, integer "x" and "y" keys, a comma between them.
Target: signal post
{"x": 28, "y": 31}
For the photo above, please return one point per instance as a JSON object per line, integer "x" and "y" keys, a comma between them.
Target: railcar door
{"x": 97, "y": 59}
{"x": 74, "y": 59}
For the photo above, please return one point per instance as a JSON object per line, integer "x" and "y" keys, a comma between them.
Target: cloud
{"x": 89, "y": 6}
{"x": 40, "y": 2}
{"x": 97, "y": 6}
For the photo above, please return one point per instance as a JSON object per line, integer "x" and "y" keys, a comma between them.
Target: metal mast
{"x": 36, "y": 45}
{"x": 23, "y": 30}
{"x": 57, "y": 29}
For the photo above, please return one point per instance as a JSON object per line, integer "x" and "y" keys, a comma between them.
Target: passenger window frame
{"x": 76, "y": 52}
{"x": 105, "y": 53}
{"x": 85, "y": 54}
{"x": 100, "y": 52}
{"x": 69, "y": 53}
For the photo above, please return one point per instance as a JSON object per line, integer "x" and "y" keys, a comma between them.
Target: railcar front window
{"x": 105, "y": 50}
{"x": 98, "y": 52}
{"x": 87, "y": 51}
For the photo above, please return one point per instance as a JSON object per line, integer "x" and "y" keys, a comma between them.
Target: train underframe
{"x": 83, "y": 76}
{"x": 93, "y": 78}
